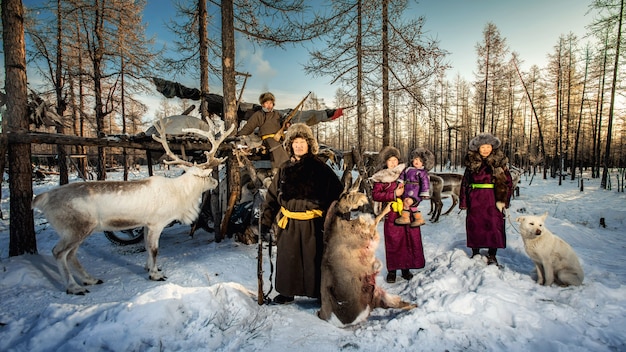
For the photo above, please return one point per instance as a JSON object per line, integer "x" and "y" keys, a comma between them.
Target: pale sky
{"x": 531, "y": 28}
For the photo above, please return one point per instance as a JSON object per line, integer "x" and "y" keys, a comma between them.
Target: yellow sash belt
{"x": 482, "y": 185}
{"x": 297, "y": 215}
{"x": 264, "y": 137}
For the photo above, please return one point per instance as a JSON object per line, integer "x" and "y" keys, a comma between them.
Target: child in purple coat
{"x": 403, "y": 244}
{"x": 416, "y": 187}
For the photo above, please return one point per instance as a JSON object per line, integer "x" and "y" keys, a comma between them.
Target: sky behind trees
{"x": 531, "y": 29}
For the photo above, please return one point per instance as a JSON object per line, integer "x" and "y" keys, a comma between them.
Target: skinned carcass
{"x": 349, "y": 265}
{"x": 78, "y": 209}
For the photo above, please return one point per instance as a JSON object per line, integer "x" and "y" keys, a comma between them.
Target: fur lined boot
{"x": 404, "y": 219}
{"x": 417, "y": 219}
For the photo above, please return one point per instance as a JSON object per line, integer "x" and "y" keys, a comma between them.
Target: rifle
{"x": 281, "y": 132}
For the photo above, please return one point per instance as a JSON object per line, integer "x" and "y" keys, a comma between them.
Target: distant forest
{"x": 94, "y": 59}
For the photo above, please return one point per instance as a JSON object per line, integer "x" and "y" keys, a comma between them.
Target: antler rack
{"x": 211, "y": 160}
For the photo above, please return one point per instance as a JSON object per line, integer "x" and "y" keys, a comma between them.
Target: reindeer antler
{"x": 162, "y": 138}
{"x": 211, "y": 160}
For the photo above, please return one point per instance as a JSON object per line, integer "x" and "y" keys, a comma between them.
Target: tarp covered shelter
{"x": 215, "y": 104}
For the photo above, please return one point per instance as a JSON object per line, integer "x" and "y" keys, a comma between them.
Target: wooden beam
{"x": 110, "y": 141}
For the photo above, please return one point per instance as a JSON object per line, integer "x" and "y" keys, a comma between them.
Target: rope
{"x": 508, "y": 217}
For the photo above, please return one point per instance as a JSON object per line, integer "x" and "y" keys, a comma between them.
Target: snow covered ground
{"x": 208, "y": 302}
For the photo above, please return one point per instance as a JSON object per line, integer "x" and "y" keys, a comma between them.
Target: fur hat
{"x": 484, "y": 138}
{"x": 427, "y": 157}
{"x": 265, "y": 97}
{"x": 384, "y": 155}
{"x": 303, "y": 131}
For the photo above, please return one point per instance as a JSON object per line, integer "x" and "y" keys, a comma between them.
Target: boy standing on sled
{"x": 416, "y": 186}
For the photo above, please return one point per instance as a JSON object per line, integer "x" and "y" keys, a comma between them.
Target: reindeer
{"x": 516, "y": 175}
{"x": 443, "y": 185}
{"x": 78, "y": 209}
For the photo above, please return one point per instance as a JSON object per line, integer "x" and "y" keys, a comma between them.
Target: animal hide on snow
{"x": 349, "y": 265}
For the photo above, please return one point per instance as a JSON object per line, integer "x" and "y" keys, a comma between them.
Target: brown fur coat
{"x": 497, "y": 162}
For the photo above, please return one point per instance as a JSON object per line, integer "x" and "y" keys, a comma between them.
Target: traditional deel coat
{"x": 403, "y": 244}
{"x": 299, "y": 186}
{"x": 416, "y": 184}
{"x": 268, "y": 124}
{"x": 484, "y": 223}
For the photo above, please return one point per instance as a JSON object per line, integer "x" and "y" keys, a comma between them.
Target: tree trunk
{"x": 580, "y": 119}
{"x": 204, "y": 58}
{"x": 359, "y": 78}
{"x": 22, "y": 225}
{"x": 230, "y": 108}
{"x": 386, "y": 130}
{"x": 607, "y": 152}
{"x": 228, "y": 63}
{"x": 58, "y": 86}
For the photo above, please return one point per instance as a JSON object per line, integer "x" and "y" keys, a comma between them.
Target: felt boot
{"x": 282, "y": 299}
{"x": 417, "y": 219}
{"x": 404, "y": 219}
{"x": 391, "y": 277}
{"x": 491, "y": 260}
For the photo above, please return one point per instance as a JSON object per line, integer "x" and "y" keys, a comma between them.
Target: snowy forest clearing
{"x": 209, "y": 299}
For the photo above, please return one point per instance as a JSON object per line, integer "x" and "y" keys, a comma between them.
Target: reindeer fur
{"x": 443, "y": 185}
{"x": 78, "y": 209}
{"x": 349, "y": 265}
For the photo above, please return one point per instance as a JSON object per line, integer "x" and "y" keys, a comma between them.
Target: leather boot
{"x": 417, "y": 219}
{"x": 404, "y": 219}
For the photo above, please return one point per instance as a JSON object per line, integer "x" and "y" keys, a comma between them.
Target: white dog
{"x": 554, "y": 259}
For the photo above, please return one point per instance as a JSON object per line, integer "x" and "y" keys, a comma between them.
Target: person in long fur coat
{"x": 403, "y": 244}
{"x": 300, "y": 194}
{"x": 486, "y": 191}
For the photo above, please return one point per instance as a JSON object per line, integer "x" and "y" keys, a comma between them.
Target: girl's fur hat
{"x": 427, "y": 157}
{"x": 301, "y": 130}
{"x": 484, "y": 138}
{"x": 265, "y": 97}
{"x": 386, "y": 153}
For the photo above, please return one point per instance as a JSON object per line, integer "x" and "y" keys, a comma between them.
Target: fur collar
{"x": 302, "y": 179}
{"x": 496, "y": 163}
{"x": 496, "y": 159}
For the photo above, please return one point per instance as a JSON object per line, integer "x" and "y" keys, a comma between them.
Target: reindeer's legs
{"x": 80, "y": 271}
{"x": 455, "y": 201}
{"x": 67, "y": 245}
{"x": 152, "y": 247}
{"x": 382, "y": 299}
{"x": 437, "y": 211}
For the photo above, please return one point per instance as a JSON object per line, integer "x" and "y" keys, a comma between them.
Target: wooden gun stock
{"x": 281, "y": 132}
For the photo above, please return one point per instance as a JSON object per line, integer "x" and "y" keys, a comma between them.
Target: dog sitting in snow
{"x": 349, "y": 265}
{"x": 554, "y": 259}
